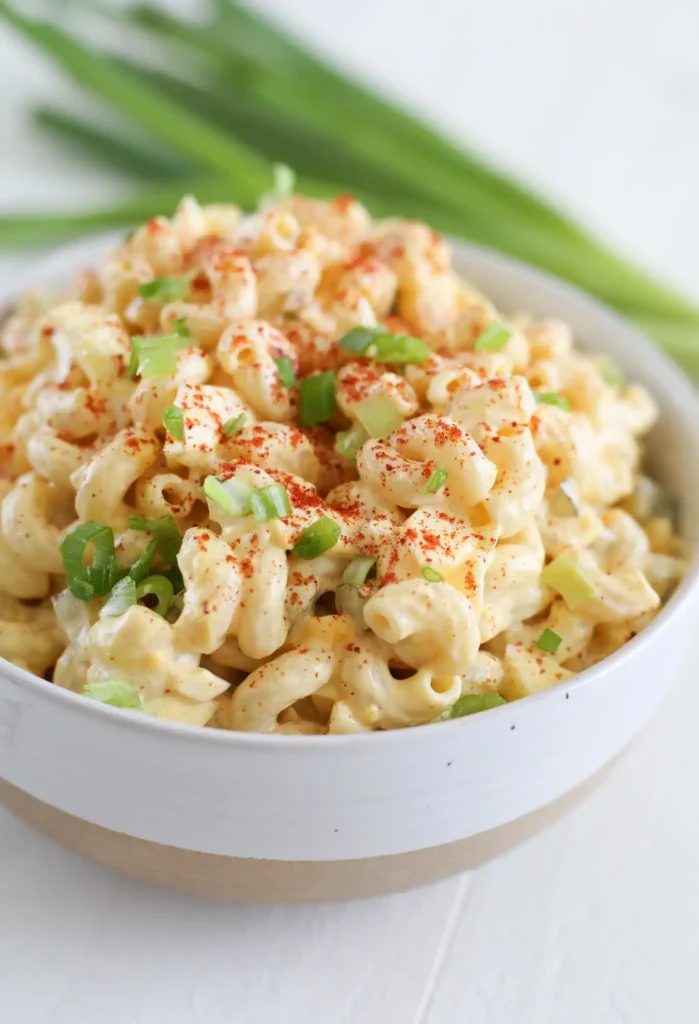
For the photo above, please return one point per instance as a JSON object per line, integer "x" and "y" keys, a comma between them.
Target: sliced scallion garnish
{"x": 181, "y": 327}
{"x": 271, "y": 502}
{"x": 317, "y": 399}
{"x": 159, "y": 587}
{"x": 117, "y": 693}
{"x": 165, "y": 289}
{"x": 141, "y": 567}
{"x": 385, "y": 347}
{"x": 164, "y": 532}
{"x": 232, "y": 426}
{"x": 348, "y": 442}
{"x": 552, "y": 398}
{"x": 431, "y": 575}
{"x": 173, "y": 421}
{"x": 122, "y": 596}
{"x": 472, "y": 703}
{"x": 285, "y": 369}
{"x": 378, "y": 415}
{"x": 493, "y": 338}
{"x": 566, "y": 577}
{"x": 84, "y": 582}
{"x": 156, "y": 356}
{"x": 358, "y": 569}
{"x": 317, "y": 538}
{"x": 436, "y": 480}
{"x": 549, "y": 641}
{"x": 232, "y": 496}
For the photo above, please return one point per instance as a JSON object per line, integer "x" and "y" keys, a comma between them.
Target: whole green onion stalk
{"x": 232, "y": 96}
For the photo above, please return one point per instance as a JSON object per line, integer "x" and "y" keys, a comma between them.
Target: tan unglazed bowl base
{"x": 247, "y": 880}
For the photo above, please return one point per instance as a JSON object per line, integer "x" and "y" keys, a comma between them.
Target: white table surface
{"x": 595, "y": 921}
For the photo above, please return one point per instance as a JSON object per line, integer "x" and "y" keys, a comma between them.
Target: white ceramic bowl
{"x": 275, "y": 817}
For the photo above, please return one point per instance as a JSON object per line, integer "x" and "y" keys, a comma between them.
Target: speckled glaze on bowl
{"x": 254, "y": 817}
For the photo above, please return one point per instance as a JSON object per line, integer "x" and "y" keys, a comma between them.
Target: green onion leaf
{"x": 154, "y": 357}
{"x": 232, "y": 496}
{"x": 437, "y": 480}
{"x": 166, "y": 289}
{"x": 232, "y": 426}
{"x": 566, "y": 577}
{"x": 610, "y": 371}
{"x": 117, "y": 693}
{"x": 549, "y": 641}
{"x": 285, "y": 369}
{"x": 472, "y": 703}
{"x": 122, "y": 596}
{"x": 271, "y": 502}
{"x": 141, "y": 567}
{"x": 164, "y": 532}
{"x": 173, "y": 421}
{"x": 161, "y": 588}
{"x": 318, "y": 538}
{"x": 348, "y": 442}
{"x": 378, "y": 415}
{"x": 357, "y": 571}
{"x": 552, "y": 398}
{"x": 181, "y": 327}
{"x": 86, "y": 581}
{"x": 385, "y": 347}
{"x": 493, "y": 338}
{"x": 431, "y": 574}
{"x": 317, "y": 399}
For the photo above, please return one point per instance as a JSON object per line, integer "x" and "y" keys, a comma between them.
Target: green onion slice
{"x": 472, "y": 703}
{"x": 155, "y": 357}
{"x": 271, "y": 502}
{"x": 117, "y": 693}
{"x": 173, "y": 421}
{"x": 233, "y": 425}
{"x": 610, "y": 371}
{"x": 285, "y": 369}
{"x": 493, "y": 338}
{"x": 86, "y": 581}
{"x": 565, "y": 576}
{"x": 348, "y": 442}
{"x": 164, "y": 532}
{"x": 317, "y": 538}
{"x": 437, "y": 480}
{"x": 165, "y": 289}
{"x": 378, "y": 415}
{"x": 317, "y": 399}
{"x": 161, "y": 588}
{"x": 122, "y": 596}
{"x": 141, "y": 567}
{"x": 233, "y": 496}
{"x": 431, "y": 574}
{"x": 549, "y": 641}
{"x": 385, "y": 347}
{"x": 357, "y": 571}
{"x": 552, "y": 398}
{"x": 181, "y": 327}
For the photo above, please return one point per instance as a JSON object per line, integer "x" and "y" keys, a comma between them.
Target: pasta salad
{"x": 286, "y": 472}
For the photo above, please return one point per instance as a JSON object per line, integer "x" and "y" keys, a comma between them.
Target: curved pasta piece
{"x": 102, "y": 484}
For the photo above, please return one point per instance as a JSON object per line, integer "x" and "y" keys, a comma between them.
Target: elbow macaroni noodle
{"x": 338, "y": 586}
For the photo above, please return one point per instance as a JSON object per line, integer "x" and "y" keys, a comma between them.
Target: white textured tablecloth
{"x": 594, "y": 922}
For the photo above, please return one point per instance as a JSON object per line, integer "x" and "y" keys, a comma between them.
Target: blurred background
{"x": 592, "y": 105}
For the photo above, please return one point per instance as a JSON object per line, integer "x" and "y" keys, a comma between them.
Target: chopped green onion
{"x": 232, "y": 496}
{"x": 317, "y": 399}
{"x": 283, "y": 184}
{"x": 154, "y": 357}
{"x": 318, "y": 538}
{"x": 431, "y": 574}
{"x": 165, "y": 289}
{"x": 552, "y": 398}
{"x": 117, "y": 693}
{"x": 348, "y": 442}
{"x": 285, "y": 369}
{"x": 378, "y": 415}
{"x": 141, "y": 567}
{"x": 233, "y": 425}
{"x": 86, "y": 581}
{"x": 164, "y": 532}
{"x": 122, "y": 596}
{"x": 271, "y": 502}
{"x": 610, "y": 371}
{"x": 565, "y": 500}
{"x": 565, "y": 576}
{"x": 549, "y": 641}
{"x": 357, "y": 571}
{"x": 159, "y": 587}
{"x": 181, "y": 327}
{"x": 472, "y": 703}
{"x": 385, "y": 347}
{"x": 173, "y": 421}
{"x": 437, "y": 480}
{"x": 493, "y": 338}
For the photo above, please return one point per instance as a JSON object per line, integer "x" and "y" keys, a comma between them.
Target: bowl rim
{"x": 686, "y": 399}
